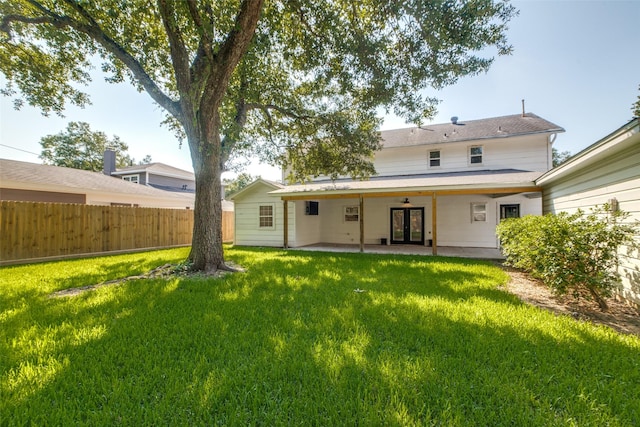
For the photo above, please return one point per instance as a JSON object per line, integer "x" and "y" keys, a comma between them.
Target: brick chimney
{"x": 109, "y": 162}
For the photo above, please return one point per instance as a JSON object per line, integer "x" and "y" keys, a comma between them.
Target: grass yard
{"x": 302, "y": 338}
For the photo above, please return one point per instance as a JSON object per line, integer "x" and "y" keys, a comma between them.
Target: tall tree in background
{"x": 232, "y": 186}
{"x": 81, "y": 148}
{"x": 635, "y": 108}
{"x": 559, "y": 157}
{"x": 298, "y": 83}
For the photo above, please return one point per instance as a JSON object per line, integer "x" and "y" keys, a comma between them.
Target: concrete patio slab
{"x": 479, "y": 253}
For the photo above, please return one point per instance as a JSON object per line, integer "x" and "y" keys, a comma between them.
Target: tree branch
{"x": 282, "y": 110}
{"x": 179, "y": 54}
{"x": 5, "y": 24}
{"x": 232, "y": 50}
{"x": 95, "y": 32}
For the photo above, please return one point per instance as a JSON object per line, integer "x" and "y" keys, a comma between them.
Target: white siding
{"x": 455, "y": 227}
{"x": 617, "y": 177}
{"x": 306, "y": 228}
{"x": 247, "y": 228}
{"x": 529, "y": 153}
{"x": 454, "y": 220}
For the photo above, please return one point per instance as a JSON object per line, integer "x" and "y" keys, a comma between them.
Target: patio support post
{"x": 434, "y": 228}
{"x": 285, "y": 231}
{"x": 361, "y": 223}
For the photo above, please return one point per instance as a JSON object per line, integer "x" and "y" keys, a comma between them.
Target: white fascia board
{"x": 620, "y": 139}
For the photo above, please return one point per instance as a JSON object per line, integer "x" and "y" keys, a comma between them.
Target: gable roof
{"x": 495, "y": 127}
{"x": 156, "y": 169}
{"x": 269, "y": 184}
{"x": 622, "y": 138}
{"x": 16, "y": 174}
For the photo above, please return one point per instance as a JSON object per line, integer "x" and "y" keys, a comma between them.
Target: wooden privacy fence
{"x": 39, "y": 230}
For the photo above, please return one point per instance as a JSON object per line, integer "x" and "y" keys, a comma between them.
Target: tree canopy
{"x": 298, "y": 83}
{"x": 559, "y": 157}
{"x": 81, "y": 148}
{"x": 232, "y": 186}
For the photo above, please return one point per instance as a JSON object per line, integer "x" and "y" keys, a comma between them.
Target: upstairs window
{"x": 266, "y": 216}
{"x": 434, "y": 158}
{"x": 131, "y": 178}
{"x": 475, "y": 155}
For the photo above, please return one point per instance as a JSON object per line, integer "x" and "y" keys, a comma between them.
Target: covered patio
{"x": 441, "y": 197}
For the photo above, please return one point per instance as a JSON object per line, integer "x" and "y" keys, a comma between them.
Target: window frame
{"x": 438, "y": 159}
{"x": 472, "y": 156}
{"x": 129, "y": 178}
{"x": 478, "y": 215}
{"x": 271, "y": 216}
{"x": 351, "y": 213}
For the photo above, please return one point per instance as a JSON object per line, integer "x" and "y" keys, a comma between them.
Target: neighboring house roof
{"x": 426, "y": 182}
{"x": 24, "y": 175}
{"x": 258, "y": 182}
{"x": 495, "y": 127}
{"x": 156, "y": 169}
{"x": 620, "y": 139}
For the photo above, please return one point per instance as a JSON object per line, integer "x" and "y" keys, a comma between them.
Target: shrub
{"x": 570, "y": 252}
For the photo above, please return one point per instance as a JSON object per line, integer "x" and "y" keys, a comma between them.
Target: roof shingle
{"x": 495, "y": 127}
{"x": 13, "y": 171}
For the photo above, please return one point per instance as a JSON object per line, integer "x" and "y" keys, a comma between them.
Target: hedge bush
{"x": 570, "y": 252}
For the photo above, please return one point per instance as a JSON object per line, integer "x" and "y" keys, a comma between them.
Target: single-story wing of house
{"x": 437, "y": 185}
{"x": 608, "y": 171}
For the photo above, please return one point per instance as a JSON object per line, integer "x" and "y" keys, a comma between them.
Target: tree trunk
{"x": 206, "y": 248}
{"x": 601, "y": 301}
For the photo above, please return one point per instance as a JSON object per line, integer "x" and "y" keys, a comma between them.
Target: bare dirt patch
{"x": 620, "y": 316}
{"x": 165, "y": 271}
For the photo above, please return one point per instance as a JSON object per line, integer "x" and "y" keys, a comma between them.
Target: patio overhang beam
{"x": 412, "y": 193}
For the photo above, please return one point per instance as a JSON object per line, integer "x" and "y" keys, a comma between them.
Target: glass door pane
{"x": 397, "y": 224}
{"x": 415, "y": 221}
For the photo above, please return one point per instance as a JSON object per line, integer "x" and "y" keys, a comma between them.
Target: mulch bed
{"x": 620, "y": 316}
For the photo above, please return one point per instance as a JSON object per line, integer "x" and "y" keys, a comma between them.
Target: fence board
{"x": 39, "y": 230}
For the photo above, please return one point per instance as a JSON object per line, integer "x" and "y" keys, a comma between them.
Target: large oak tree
{"x": 299, "y": 83}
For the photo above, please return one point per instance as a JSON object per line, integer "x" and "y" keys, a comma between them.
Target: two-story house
{"x": 157, "y": 175}
{"x": 437, "y": 185}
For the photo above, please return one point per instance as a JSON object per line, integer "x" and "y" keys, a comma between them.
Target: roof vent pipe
{"x": 454, "y": 120}
{"x": 523, "y": 108}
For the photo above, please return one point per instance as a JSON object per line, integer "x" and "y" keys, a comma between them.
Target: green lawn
{"x": 428, "y": 341}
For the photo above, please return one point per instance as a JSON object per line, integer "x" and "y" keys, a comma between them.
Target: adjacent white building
{"x": 607, "y": 171}
{"x": 437, "y": 185}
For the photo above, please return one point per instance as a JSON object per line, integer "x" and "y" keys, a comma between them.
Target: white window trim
{"x": 273, "y": 216}
{"x": 136, "y": 176}
{"x": 351, "y": 213}
{"x": 478, "y": 215}
{"x": 469, "y": 155}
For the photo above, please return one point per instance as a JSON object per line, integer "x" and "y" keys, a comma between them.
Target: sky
{"x": 575, "y": 63}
